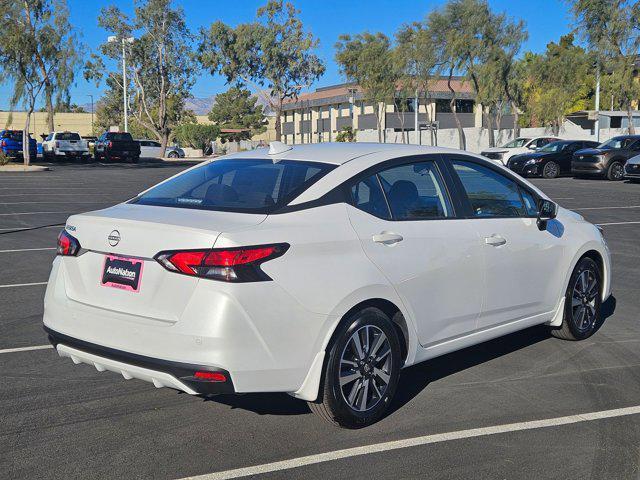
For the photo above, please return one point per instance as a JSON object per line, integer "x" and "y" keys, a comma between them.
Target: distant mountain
{"x": 202, "y": 106}
{"x": 199, "y": 106}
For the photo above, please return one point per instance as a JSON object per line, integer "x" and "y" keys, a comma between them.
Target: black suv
{"x": 608, "y": 159}
{"x": 550, "y": 161}
{"x": 116, "y": 146}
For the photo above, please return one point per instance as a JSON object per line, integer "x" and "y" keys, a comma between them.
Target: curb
{"x": 23, "y": 169}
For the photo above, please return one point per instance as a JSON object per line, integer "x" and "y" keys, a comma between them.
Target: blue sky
{"x": 546, "y": 21}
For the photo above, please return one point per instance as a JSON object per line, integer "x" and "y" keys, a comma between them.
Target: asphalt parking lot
{"x": 58, "y": 420}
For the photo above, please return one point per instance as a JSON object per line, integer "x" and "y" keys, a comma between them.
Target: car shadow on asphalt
{"x": 414, "y": 379}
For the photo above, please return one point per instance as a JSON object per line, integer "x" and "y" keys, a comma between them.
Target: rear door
{"x": 408, "y": 227}
{"x": 521, "y": 262}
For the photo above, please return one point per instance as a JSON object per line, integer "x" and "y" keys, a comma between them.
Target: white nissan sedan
{"x": 320, "y": 271}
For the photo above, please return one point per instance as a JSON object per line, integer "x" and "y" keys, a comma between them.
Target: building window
{"x": 462, "y": 106}
{"x": 403, "y": 105}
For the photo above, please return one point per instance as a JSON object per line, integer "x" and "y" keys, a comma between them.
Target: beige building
{"x": 74, "y": 122}
{"x": 319, "y": 116}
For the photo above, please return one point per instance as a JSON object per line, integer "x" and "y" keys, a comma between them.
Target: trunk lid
{"x": 140, "y": 232}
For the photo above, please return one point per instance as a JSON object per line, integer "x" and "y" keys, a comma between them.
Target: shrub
{"x": 346, "y": 134}
{"x": 196, "y": 135}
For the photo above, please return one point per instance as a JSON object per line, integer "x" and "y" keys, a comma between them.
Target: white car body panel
{"x": 452, "y": 288}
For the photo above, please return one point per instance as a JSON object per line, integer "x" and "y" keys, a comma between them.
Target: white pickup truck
{"x": 64, "y": 145}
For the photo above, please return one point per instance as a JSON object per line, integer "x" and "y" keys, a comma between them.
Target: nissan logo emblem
{"x": 114, "y": 238}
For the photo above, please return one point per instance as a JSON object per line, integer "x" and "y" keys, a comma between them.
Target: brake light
{"x": 67, "y": 244}
{"x": 110, "y": 144}
{"x": 228, "y": 264}
{"x": 4, "y": 143}
{"x": 211, "y": 376}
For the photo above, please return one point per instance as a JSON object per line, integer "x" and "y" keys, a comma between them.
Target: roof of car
{"x": 340, "y": 153}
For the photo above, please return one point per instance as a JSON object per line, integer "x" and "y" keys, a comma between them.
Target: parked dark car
{"x": 608, "y": 159}
{"x": 116, "y": 146}
{"x": 550, "y": 161}
{"x": 11, "y": 144}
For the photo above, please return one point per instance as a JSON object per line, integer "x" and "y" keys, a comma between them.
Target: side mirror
{"x": 547, "y": 210}
{"x": 532, "y": 147}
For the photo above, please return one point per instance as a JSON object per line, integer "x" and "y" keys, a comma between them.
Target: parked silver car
{"x": 153, "y": 149}
{"x": 632, "y": 169}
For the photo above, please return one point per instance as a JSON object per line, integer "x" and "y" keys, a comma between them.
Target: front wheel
{"x": 582, "y": 302}
{"x": 361, "y": 372}
{"x": 173, "y": 155}
{"x": 615, "y": 171}
{"x": 551, "y": 170}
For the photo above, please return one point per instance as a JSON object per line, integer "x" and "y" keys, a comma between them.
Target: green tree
{"x": 367, "y": 60}
{"x": 559, "y": 82}
{"x": 273, "y": 52}
{"x": 611, "y": 29}
{"x": 417, "y": 60}
{"x": 482, "y": 44}
{"x": 39, "y": 53}
{"x": 160, "y": 64}
{"x": 236, "y": 109}
{"x": 196, "y": 135}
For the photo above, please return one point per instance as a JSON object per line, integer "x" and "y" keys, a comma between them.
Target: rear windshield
{"x": 67, "y": 136}
{"x": 120, "y": 136}
{"x": 13, "y": 135}
{"x": 249, "y": 186}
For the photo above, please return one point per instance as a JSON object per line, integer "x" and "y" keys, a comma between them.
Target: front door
{"x": 521, "y": 261}
{"x": 409, "y": 230}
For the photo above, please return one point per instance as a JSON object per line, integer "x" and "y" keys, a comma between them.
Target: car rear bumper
{"x": 162, "y": 373}
{"x": 255, "y": 332}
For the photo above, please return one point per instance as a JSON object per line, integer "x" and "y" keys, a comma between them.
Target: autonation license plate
{"x": 122, "y": 272}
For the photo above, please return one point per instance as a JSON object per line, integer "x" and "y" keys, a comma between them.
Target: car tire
{"x": 353, "y": 393}
{"x": 135, "y": 159}
{"x": 551, "y": 170}
{"x": 615, "y": 171}
{"x": 173, "y": 155}
{"x": 582, "y": 302}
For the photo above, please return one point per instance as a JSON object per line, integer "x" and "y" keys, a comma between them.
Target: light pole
{"x": 92, "y": 129}
{"x": 124, "y": 40}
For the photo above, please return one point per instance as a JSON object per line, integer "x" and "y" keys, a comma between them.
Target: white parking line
{"x": 415, "y": 442}
{"x": 29, "y": 228}
{"x": 605, "y": 208}
{"x": 27, "y": 250}
{"x": 34, "y": 213}
{"x": 616, "y": 223}
{"x": 25, "y": 349}
{"x": 47, "y": 202}
{"x": 14, "y": 285}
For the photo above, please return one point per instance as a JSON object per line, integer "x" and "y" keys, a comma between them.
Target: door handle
{"x": 387, "y": 238}
{"x": 495, "y": 240}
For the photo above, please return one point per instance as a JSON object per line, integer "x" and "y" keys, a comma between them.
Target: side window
{"x": 490, "y": 193}
{"x": 415, "y": 192}
{"x": 636, "y": 146}
{"x": 368, "y": 197}
{"x": 49, "y": 137}
{"x": 530, "y": 203}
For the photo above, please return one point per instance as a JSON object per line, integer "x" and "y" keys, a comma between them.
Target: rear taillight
{"x": 228, "y": 264}
{"x": 4, "y": 143}
{"x": 110, "y": 144}
{"x": 67, "y": 244}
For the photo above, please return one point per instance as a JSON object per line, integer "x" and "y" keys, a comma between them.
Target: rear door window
{"x": 415, "y": 191}
{"x": 367, "y": 195}
{"x": 67, "y": 136}
{"x": 251, "y": 185}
